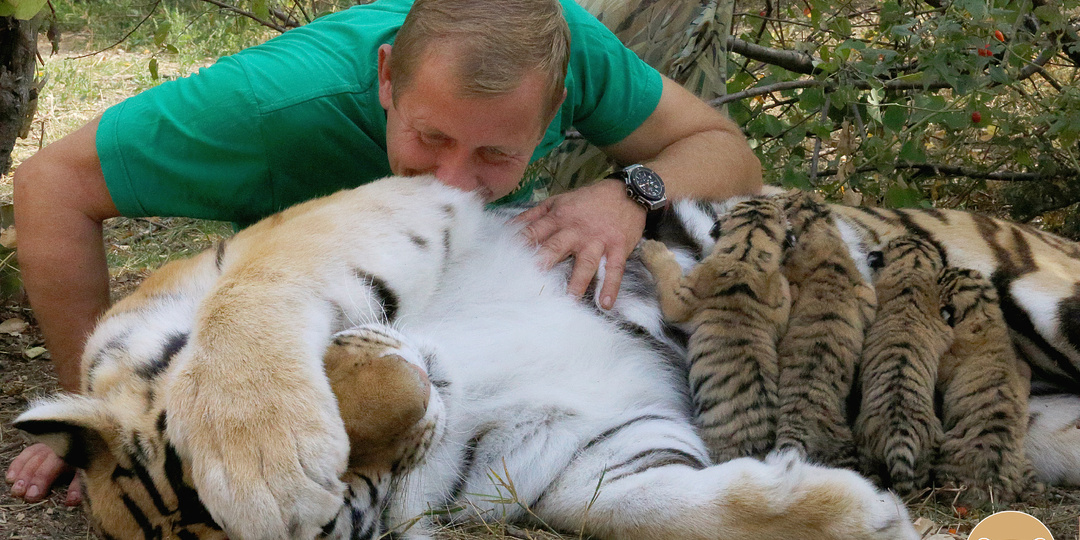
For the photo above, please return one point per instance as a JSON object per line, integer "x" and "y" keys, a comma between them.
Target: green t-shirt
{"x": 298, "y": 117}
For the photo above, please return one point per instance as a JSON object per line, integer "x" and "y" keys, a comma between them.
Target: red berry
{"x": 807, "y": 12}
{"x": 762, "y": 13}
{"x": 985, "y": 51}
{"x": 976, "y": 117}
{"x": 1000, "y": 37}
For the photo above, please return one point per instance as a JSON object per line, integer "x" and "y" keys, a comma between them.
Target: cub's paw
{"x": 383, "y": 394}
{"x": 655, "y": 254}
{"x": 264, "y": 441}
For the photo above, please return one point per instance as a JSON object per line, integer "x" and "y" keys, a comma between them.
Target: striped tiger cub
{"x": 984, "y": 391}
{"x": 737, "y": 303}
{"x": 832, "y": 305}
{"x": 897, "y": 429}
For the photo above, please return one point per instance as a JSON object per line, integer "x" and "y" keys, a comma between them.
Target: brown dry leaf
{"x": 14, "y": 325}
{"x": 7, "y": 238}
{"x": 924, "y": 526}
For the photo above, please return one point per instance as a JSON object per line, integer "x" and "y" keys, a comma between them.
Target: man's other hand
{"x": 591, "y": 223}
{"x": 33, "y": 472}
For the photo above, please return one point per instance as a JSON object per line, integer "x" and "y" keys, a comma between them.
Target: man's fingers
{"x": 34, "y": 471}
{"x": 586, "y": 262}
{"x": 43, "y": 478}
{"x": 74, "y": 493}
{"x": 540, "y": 230}
{"x": 533, "y": 213}
{"x": 613, "y": 273}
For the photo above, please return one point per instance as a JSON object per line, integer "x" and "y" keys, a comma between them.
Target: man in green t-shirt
{"x": 461, "y": 89}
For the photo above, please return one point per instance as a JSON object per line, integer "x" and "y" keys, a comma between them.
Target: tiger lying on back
{"x": 208, "y": 411}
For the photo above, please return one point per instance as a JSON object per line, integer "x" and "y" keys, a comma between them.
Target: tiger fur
{"x": 1036, "y": 277}
{"x": 207, "y": 397}
{"x": 897, "y": 429}
{"x": 984, "y": 391}
{"x": 737, "y": 303}
{"x": 832, "y": 306}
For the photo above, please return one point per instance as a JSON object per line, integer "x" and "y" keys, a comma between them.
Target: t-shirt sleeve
{"x": 190, "y": 147}
{"x": 615, "y": 89}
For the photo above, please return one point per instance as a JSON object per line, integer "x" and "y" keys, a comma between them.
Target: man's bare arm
{"x": 60, "y": 202}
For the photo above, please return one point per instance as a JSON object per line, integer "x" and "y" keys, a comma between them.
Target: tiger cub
{"x": 897, "y": 429}
{"x": 832, "y": 305}
{"x": 737, "y": 303}
{"x": 984, "y": 391}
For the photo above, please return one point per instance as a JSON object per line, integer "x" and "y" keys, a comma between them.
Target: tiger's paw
{"x": 383, "y": 395}
{"x": 857, "y": 510}
{"x": 265, "y": 444}
{"x": 655, "y": 254}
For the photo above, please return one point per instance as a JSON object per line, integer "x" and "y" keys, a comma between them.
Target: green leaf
{"x": 895, "y": 117}
{"x": 26, "y": 9}
{"x": 902, "y": 197}
{"x": 6, "y": 9}
{"x": 812, "y": 99}
{"x": 153, "y": 67}
{"x": 999, "y": 75}
{"x": 162, "y": 33}
{"x": 912, "y": 151}
{"x": 261, "y": 9}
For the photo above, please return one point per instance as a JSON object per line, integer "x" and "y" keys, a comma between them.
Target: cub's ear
{"x": 75, "y": 427}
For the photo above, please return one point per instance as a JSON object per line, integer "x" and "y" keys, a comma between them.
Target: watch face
{"x": 648, "y": 184}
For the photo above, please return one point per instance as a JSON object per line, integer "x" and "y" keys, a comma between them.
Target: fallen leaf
{"x": 13, "y": 325}
{"x": 7, "y": 238}
{"x": 35, "y": 352}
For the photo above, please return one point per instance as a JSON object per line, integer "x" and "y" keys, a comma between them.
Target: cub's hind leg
{"x": 647, "y": 480}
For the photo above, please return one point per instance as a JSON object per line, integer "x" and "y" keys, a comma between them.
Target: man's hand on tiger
{"x": 594, "y": 223}
{"x": 34, "y": 471}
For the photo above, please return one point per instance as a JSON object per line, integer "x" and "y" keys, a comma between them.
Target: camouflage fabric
{"x": 682, "y": 39}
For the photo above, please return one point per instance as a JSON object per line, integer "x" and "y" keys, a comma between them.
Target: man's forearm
{"x": 708, "y": 165}
{"x": 60, "y": 202}
{"x": 67, "y": 280}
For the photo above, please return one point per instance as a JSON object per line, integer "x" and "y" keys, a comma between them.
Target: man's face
{"x": 480, "y": 144}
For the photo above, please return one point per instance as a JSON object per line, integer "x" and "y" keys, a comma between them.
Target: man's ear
{"x": 75, "y": 427}
{"x": 386, "y": 94}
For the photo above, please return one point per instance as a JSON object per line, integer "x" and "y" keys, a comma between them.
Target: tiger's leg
{"x": 677, "y": 301}
{"x": 647, "y": 481}
{"x": 984, "y": 412}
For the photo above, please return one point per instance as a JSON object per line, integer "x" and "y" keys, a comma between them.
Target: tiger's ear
{"x": 75, "y": 427}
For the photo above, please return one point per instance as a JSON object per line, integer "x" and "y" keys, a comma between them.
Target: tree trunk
{"x": 18, "y": 52}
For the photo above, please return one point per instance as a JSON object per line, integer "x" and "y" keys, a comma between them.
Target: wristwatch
{"x": 644, "y": 186}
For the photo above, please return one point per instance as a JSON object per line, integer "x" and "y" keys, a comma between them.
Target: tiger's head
{"x": 139, "y": 486}
{"x": 750, "y": 242}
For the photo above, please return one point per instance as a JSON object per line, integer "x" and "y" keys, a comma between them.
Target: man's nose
{"x": 455, "y": 168}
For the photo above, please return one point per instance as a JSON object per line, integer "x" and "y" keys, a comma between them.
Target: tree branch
{"x": 248, "y": 14}
{"x": 952, "y": 170}
{"x": 795, "y": 61}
